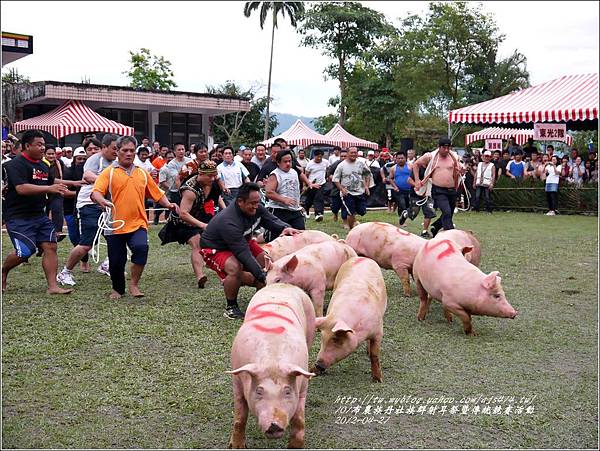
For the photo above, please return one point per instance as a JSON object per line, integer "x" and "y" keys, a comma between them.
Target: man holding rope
{"x": 352, "y": 178}
{"x": 87, "y": 211}
{"x": 127, "y": 185}
{"x": 441, "y": 181}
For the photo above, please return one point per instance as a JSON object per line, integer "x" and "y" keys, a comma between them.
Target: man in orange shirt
{"x": 127, "y": 186}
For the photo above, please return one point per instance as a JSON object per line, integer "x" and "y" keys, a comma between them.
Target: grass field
{"x": 85, "y": 372}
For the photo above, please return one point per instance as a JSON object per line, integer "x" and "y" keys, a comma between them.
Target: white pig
{"x": 312, "y": 268}
{"x": 355, "y": 314}
{"x": 269, "y": 358}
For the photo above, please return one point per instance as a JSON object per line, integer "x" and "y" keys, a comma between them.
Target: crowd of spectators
{"x": 291, "y": 183}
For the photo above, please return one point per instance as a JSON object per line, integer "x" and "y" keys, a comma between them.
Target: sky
{"x": 210, "y": 42}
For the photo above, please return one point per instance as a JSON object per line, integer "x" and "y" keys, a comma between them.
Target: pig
{"x": 464, "y": 238}
{"x": 286, "y": 245}
{"x": 390, "y": 246}
{"x": 355, "y": 314}
{"x": 312, "y": 268}
{"x": 269, "y": 358}
{"x": 441, "y": 270}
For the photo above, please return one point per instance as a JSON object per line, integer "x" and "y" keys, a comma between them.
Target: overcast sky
{"x": 211, "y": 42}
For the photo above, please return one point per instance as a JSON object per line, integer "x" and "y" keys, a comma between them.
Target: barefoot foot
{"x": 59, "y": 290}
{"x": 135, "y": 291}
{"x": 114, "y": 295}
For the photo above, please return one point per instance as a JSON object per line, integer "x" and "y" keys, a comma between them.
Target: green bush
{"x": 530, "y": 195}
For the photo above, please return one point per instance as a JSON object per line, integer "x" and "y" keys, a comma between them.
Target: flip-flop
{"x": 202, "y": 281}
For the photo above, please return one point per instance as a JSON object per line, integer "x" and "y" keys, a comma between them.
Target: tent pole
{"x": 449, "y": 130}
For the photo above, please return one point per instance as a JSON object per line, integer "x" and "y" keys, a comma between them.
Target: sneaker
{"x": 319, "y": 218}
{"x": 425, "y": 234}
{"x": 65, "y": 277}
{"x": 550, "y": 213}
{"x": 103, "y": 268}
{"x": 433, "y": 232}
{"x": 307, "y": 215}
{"x": 403, "y": 217}
{"x": 233, "y": 313}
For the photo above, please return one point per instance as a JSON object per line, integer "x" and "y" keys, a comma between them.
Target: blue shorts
{"x": 88, "y": 224}
{"x": 26, "y": 234}
{"x": 356, "y": 205}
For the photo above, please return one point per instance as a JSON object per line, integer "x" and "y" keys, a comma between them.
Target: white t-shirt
{"x": 551, "y": 177}
{"x": 147, "y": 165}
{"x": 67, "y": 161}
{"x": 96, "y": 164}
{"x": 316, "y": 171}
{"x": 351, "y": 176}
{"x": 233, "y": 175}
{"x": 303, "y": 163}
{"x": 333, "y": 158}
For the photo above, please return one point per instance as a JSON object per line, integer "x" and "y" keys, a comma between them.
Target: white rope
{"x": 467, "y": 195}
{"x": 105, "y": 224}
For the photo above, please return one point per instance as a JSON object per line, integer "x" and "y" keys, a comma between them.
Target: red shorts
{"x": 215, "y": 259}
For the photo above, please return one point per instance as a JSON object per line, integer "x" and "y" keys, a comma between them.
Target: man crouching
{"x": 229, "y": 249}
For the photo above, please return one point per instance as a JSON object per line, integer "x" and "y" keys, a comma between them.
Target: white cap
{"x": 80, "y": 151}
{"x": 488, "y": 153}
{"x": 66, "y": 148}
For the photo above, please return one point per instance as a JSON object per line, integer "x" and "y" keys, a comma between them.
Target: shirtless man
{"x": 443, "y": 169}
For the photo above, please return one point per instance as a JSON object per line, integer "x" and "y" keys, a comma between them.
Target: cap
{"x": 242, "y": 147}
{"x": 444, "y": 141}
{"x": 79, "y": 152}
{"x": 58, "y": 150}
{"x": 371, "y": 152}
{"x": 487, "y": 153}
{"x": 385, "y": 149}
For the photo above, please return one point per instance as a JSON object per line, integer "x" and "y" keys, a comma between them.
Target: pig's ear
{"x": 465, "y": 250}
{"x": 341, "y": 328}
{"x": 291, "y": 265}
{"x": 250, "y": 368}
{"x": 295, "y": 370}
{"x": 489, "y": 282}
{"x": 319, "y": 321}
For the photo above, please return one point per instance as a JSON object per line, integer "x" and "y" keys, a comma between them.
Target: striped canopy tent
{"x": 346, "y": 139}
{"x": 572, "y": 99}
{"x": 72, "y": 117}
{"x": 300, "y": 134}
{"x": 521, "y": 135}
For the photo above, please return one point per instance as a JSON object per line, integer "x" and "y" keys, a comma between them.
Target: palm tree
{"x": 294, "y": 10}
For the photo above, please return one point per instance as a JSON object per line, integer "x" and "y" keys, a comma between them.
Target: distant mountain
{"x": 287, "y": 120}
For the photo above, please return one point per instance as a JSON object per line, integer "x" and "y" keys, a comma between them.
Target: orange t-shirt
{"x": 128, "y": 192}
{"x": 159, "y": 162}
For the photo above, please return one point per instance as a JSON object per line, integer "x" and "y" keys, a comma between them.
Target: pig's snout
{"x": 514, "y": 314}
{"x": 320, "y": 367}
{"x": 274, "y": 431}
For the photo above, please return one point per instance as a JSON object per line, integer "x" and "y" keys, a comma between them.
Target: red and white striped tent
{"x": 300, "y": 134}
{"x": 521, "y": 135}
{"x": 346, "y": 139}
{"x": 565, "y": 99}
{"x": 73, "y": 116}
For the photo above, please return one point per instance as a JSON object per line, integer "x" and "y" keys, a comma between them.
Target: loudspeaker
{"x": 406, "y": 143}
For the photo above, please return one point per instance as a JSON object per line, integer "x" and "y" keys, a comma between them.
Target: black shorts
{"x": 355, "y": 205}
{"x": 26, "y": 234}
{"x": 88, "y": 223}
{"x": 171, "y": 233}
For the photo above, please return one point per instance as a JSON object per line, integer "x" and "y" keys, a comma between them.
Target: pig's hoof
{"x": 377, "y": 379}
{"x": 471, "y": 334}
{"x": 421, "y": 317}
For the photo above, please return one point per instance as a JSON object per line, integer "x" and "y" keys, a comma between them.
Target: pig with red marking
{"x": 390, "y": 246}
{"x": 312, "y": 268}
{"x": 442, "y": 272}
{"x": 355, "y": 314}
{"x": 286, "y": 245}
{"x": 463, "y": 239}
{"x": 269, "y": 358}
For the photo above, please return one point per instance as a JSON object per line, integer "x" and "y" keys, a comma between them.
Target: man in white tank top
{"x": 484, "y": 181}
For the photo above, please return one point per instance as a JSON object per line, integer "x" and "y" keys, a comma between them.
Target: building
{"x": 166, "y": 116}
{"x": 15, "y": 46}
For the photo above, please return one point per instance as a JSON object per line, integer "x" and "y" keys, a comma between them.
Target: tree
{"x": 12, "y": 77}
{"x": 242, "y": 127}
{"x": 456, "y": 46}
{"x": 150, "y": 71}
{"x": 342, "y": 31}
{"x": 294, "y": 10}
{"x": 325, "y": 123}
